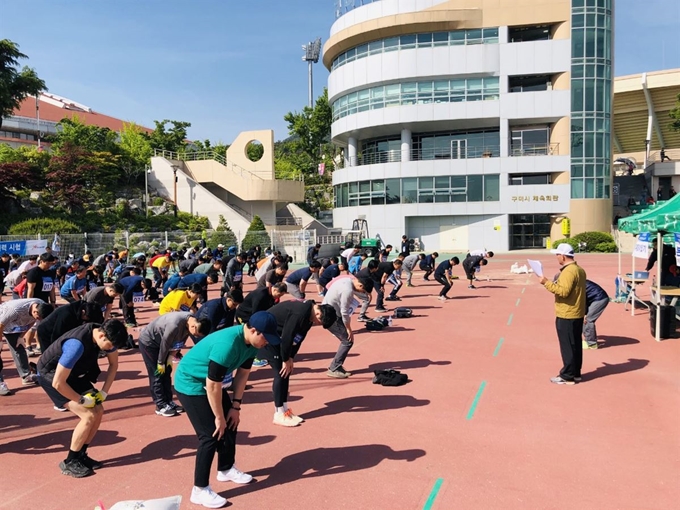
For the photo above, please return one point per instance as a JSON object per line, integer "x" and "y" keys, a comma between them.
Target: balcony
{"x": 536, "y": 149}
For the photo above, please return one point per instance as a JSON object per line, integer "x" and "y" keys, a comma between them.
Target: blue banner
{"x": 644, "y": 237}
{"x": 677, "y": 249}
{"x": 13, "y": 247}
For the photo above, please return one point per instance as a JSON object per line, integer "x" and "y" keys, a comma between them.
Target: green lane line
{"x": 471, "y": 412}
{"x": 510, "y": 320}
{"x": 517, "y": 304}
{"x": 433, "y": 494}
{"x": 498, "y": 347}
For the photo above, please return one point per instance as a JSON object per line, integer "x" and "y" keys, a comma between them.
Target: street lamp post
{"x": 147, "y": 171}
{"x": 312, "y": 51}
{"x": 174, "y": 173}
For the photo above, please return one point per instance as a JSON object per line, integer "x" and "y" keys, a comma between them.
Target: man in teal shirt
{"x": 202, "y": 381}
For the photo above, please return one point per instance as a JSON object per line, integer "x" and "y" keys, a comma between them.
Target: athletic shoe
{"x": 177, "y": 357}
{"x": 90, "y": 462}
{"x": 260, "y": 363}
{"x": 426, "y": 279}
{"x": 286, "y": 419}
{"x": 337, "y": 374}
{"x": 442, "y": 298}
{"x": 177, "y": 408}
{"x": 587, "y": 346}
{"x": 381, "y": 310}
{"x": 33, "y": 352}
{"x": 61, "y": 409}
{"x": 559, "y": 380}
{"x": 298, "y": 418}
{"x": 471, "y": 287}
{"x": 390, "y": 298}
{"x": 577, "y": 379}
{"x": 75, "y": 468}
{"x": 29, "y": 380}
{"x": 207, "y": 498}
{"x": 166, "y": 411}
{"x": 4, "y": 389}
{"x": 364, "y": 318}
{"x": 410, "y": 285}
{"x": 234, "y": 475}
{"x": 130, "y": 324}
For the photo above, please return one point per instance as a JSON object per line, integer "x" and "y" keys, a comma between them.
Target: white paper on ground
{"x": 536, "y": 266}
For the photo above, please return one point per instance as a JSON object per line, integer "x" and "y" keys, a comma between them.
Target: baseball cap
{"x": 563, "y": 249}
{"x": 265, "y": 323}
{"x": 220, "y": 246}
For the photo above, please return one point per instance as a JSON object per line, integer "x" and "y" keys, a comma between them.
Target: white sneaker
{"x": 4, "y": 389}
{"x": 287, "y": 419}
{"x": 442, "y": 298}
{"x": 234, "y": 475}
{"x": 207, "y": 497}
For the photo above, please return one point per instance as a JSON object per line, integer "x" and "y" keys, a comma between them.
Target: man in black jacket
{"x": 260, "y": 300}
{"x": 65, "y": 318}
{"x": 294, "y": 319}
{"x": 470, "y": 265}
{"x": 67, "y": 371}
{"x": 220, "y": 311}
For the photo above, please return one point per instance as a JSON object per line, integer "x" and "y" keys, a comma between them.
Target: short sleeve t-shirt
{"x": 44, "y": 283}
{"x": 226, "y": 347}
{"x": 176, "y": 301}
{"x": 99, "y": 296}
{"x": 297, "y": 276}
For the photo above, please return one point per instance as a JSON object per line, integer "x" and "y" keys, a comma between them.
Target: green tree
{"x": 255, "y": 151}
{"x": 18, "y": 175}
{"x": 256, "y": 234}
{"x": 72, "y": 131}
{"x": 172, "y": 139}
{"x": 15, "y": 85}
{"x": 77, "y": 178}
{"x": 222, "y": 235}
{"x": 675, "y": 115}
{"x": 135, "y": 151}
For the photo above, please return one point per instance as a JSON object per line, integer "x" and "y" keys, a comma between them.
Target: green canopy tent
{"x": 631, "y": 224}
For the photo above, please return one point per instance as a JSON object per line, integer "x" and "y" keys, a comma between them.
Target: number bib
{"x": 353, "y": 306}
{"x": 228, "y": 379}
{"x": 184, "y": 308}
{"x": 47, "y": 285}
{"x": 298, "y": 339}
{"x": 137, "y": 297}
{"x": 177, "y": 346}
{"x": 238, "y": 276}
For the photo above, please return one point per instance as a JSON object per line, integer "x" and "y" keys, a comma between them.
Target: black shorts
{"x": 469, "y": 272}
{"x": 79, "y": 384}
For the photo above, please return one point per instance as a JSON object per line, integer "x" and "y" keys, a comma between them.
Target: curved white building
{"x": 454, "y": 117}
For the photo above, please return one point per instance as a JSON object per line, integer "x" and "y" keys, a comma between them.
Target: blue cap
{"x": 265, "y": 323}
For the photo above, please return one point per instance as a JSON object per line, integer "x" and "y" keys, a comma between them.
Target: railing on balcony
{"x": 456, "y": 151}
{"x": 536, "y": 149}
{"x": 344, "y": 6}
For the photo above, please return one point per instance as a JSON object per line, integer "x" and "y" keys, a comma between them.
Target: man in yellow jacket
{"x": 570, "y": 309}
{"x": 181, "y": 300}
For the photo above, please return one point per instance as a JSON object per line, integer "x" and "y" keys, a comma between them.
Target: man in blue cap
{"x": 202, "y": 381}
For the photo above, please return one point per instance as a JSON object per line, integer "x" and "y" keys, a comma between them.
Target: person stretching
{"x": 470, "y": 265}
{"x": 443, "y": 275}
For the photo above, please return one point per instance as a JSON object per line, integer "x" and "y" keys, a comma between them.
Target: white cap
{"x": 220, "y": 246}
{"x": 563, "y": 249}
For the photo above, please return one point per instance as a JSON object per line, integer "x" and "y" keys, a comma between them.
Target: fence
{"x": 292, "y": 242}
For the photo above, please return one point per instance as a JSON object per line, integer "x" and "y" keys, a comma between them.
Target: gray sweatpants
{"x": 592, "y": 314}
{"x": 294, "y": 290}
{"x": 340, "y": 331}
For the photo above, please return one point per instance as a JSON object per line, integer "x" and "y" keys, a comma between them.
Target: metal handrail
{"x": 536, "y": 149}
{"x": 296, "y": 220}
{"x": 241, "y": 211}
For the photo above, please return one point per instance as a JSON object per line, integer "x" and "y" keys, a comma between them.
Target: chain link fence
{"x": 292, "y": 242}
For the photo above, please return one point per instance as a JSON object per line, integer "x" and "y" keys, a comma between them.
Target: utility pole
{"x": 312, "y": 51}
{"x": 174, "y": 172}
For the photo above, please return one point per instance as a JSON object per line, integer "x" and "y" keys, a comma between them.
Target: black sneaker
{"x": 75, "y": 468}
{"x": 90, "y": 462}
{"x": 364, "y": 318}
{"x": 178, "y": 409}
{"x": 166, "y": 411}
{"x": 471, "y": 287}
{"x": 381, "y": 310}
{"x": 391, "y": 298}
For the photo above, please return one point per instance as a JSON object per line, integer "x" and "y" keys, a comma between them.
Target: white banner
{"x": 36, "y": 246}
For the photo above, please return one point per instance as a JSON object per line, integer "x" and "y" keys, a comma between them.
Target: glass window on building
{"x": 475, "y": 188}
{"x": 492, "y": 188}
{"x": 392, "y": 191}
{"x": 409, "y": 190}
{"x": 458, "y": 188}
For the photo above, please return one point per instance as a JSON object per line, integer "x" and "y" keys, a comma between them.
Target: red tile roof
{"x": 50, "y": 112}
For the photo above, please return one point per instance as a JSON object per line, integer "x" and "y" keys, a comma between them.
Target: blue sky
{"x": 225, "y": 65}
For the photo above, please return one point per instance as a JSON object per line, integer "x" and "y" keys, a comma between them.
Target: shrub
{"x": 257, "y": 234}
{"x": 157, "y": 201}
{"x": 45, "y": 226}
{"x": 605, "y": 248}
{"x": 571, "y": 242}
{"x": 592, "y": 239}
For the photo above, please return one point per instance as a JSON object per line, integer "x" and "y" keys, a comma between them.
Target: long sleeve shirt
{"x": 167, "y": 333}
{"x": 570, "y": 292}
{"x": 341, "y": 296}
{"x": 293, "y": 321}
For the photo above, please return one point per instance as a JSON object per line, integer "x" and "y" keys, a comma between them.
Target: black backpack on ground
{"x": 376, "y": 324}
{"x": 389, "y": 377}
{"x": 401, "y": 312}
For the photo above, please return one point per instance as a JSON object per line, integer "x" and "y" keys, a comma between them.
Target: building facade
{"x": 472, "y": 123}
